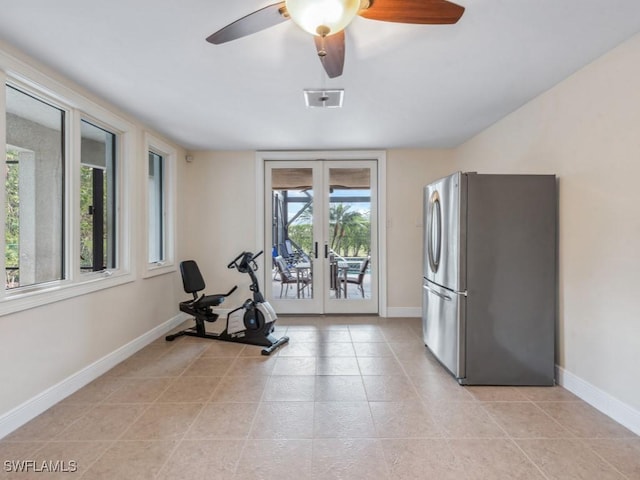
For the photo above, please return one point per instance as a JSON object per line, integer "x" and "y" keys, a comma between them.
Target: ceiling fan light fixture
{"x": 322, "y": 17}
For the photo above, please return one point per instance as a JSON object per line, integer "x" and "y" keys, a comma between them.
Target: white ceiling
{"x": 405, "y": 85}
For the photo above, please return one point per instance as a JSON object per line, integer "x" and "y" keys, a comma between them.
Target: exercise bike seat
{"x": 193, "y": 283}
{"x": 208, "y": 301}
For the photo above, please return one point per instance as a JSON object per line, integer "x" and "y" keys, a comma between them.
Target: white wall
{"x": 587, "y": 131}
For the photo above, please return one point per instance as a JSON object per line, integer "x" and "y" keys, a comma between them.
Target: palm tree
{"x": 350, "y": 230}
{"x": 358, "y": 236}
{"x": 347, "y": 228}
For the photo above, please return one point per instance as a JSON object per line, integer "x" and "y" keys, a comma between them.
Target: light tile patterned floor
{"x": 348, "y": 398}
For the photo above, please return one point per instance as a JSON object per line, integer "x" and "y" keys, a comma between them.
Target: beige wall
{"x": 46, "y": 345}
{"x": 587, "y": 131}
{"x": 219, "y": 217}
{"x": 408, "y": 171}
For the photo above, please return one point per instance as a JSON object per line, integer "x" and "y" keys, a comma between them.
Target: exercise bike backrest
{"x": 193, "y": 283}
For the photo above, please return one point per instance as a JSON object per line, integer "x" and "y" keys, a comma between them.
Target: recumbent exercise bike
{"x": 252, "y": 323}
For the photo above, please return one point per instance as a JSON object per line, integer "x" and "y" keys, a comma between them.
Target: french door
{"x": 321, "y": 229}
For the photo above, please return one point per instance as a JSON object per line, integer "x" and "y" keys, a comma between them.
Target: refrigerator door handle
{"x": 435, "y": 292}
{"x": 434, "y": 231}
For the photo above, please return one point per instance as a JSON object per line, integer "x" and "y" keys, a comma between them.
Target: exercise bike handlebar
{"x": 231, "y": 291}
{"x": 248, "y": 257}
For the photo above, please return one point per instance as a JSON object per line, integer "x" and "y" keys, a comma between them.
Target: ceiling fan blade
{"x": 254, "y": 22}
{"x": 431, "y": 12}
{"x": 333, "y": 48}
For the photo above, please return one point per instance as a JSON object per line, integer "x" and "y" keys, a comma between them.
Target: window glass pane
{"x": 156, "y": 208}
{"x": 34, "y": 204}
{"x": 97, "y": 198}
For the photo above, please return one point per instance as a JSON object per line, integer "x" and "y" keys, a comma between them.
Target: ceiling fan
{"x": 327, "y": 19}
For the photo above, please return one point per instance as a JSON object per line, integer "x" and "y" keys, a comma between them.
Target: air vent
{"x": 323, "y": 98}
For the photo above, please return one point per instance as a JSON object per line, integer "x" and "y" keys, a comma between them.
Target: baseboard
{"x": 33, "y": 407}
{"x": 607, "y": 404}
{"x": 394, "y": 312}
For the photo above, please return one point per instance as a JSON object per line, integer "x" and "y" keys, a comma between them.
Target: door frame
{"x": 379, "y": 156}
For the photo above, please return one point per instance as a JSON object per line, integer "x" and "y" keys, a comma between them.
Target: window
{"x": 67, "y": 193}
{"x": 97, "y": 198}
{"x": 156, "y": 206}
{"x": 34, "y": 195}
{"x": 160, "y": 196}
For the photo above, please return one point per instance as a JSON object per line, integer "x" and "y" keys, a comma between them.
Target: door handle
{"x": 435, "y": 292}
{"x": 326, "y": 251}
{"x": 315, "y": 250}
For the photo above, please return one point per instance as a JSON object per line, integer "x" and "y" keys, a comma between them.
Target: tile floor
{"x": 348, "y": 398}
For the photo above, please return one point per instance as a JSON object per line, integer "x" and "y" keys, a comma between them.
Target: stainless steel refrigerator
{"x": 489, "y": 290}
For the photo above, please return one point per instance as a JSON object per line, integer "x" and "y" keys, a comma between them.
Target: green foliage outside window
{"x": 350, "y": 231}
{"x": 12, "y": 221}
{"x": 86, "y": 219}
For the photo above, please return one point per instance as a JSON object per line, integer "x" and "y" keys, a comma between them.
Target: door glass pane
{"x": 34, "y": 182}
{"x": 349, "y": 233}
{"x": 292, "y": 232}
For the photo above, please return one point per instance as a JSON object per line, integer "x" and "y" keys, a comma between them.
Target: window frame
{"x": 76, "y": 107}
{"x": 169, "y": 155}
{"x": 41, "y": 96}
{"x": 118, "y": 193}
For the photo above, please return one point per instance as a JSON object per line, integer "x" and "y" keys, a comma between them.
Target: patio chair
{"x": 287, "y": 253}
{"x": 287, "y": 277}
{"x": 358, "y": 279}
{"x": 291, "y": 253}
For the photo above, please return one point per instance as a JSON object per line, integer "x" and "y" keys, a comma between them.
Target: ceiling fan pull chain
{"x": 323, "y": 31}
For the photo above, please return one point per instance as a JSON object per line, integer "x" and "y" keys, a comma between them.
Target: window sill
{"x": 19, "y": 301}
{"x": 153, "y": 270}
